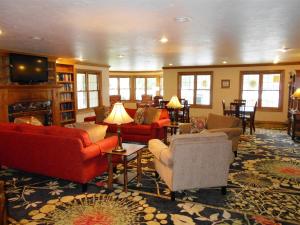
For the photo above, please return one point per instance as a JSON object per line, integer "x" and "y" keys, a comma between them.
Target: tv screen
{"x": 28, "y": 69}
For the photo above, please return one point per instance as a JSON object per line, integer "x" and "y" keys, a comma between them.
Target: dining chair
{"x": 250, "y": 119}
{"x": 239, "y": 101}
{"x": 114, "y": 98}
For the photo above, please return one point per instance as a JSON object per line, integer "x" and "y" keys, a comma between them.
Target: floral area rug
{"x": 264, "y": 188}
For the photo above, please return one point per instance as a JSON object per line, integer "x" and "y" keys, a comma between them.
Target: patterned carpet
{"x": 264, "y": 188}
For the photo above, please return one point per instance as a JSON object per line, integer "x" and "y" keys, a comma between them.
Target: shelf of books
{"x": 65, "y": 75}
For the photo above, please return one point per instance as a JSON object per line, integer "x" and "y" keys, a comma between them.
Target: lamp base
{"x": 119, "y": 149}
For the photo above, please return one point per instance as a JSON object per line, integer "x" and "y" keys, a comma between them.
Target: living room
{"x": 149, "y": 112}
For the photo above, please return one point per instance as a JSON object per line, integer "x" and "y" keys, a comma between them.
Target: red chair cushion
{"x": 140, "y": 129}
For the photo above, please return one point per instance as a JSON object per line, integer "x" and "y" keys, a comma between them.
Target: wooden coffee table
{"x": 133, "y": 151}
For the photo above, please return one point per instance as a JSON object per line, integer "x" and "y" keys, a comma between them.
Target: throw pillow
{"x": 198, "y": 124}
{"x": 139, "y": 116}
{"x": 151, "y": 115}
{"x": 101, "y": 113}
{"x": 96, "y": 132}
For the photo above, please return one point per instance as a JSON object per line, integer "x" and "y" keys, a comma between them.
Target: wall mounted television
{"x": 27, "y": 69}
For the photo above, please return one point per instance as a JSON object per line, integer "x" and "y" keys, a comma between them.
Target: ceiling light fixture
{"x": 224, "y": 62}
{"x": 164, "y": 40}
{"x": 170, "y": 64}
{"x": 121, "y": 56}
{"x": 183, "y": 19}
{"x": 276, "y": 60}
{"x": 284, "y": 49}
{"x": 1, "y": 32}
{"x": 36, "y": 38}
{"x": 80, "y": 59}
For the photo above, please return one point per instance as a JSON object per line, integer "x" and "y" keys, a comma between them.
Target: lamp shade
{"x": 296, "y": 94}
{"x": 118, "y": 115}
{"x": 174, "y": 103}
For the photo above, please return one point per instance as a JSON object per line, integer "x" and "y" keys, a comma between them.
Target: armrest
{"x": 90, "y": 119}
{"x": 231, "y": 132}
{"x": 107, "y": 144}
{"x": 160, "y": 151}
{"x": 90, "y": 152}
{"x": 160, "y": 123}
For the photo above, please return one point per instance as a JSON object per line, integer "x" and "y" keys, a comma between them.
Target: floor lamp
{"x": 118, "y": 116}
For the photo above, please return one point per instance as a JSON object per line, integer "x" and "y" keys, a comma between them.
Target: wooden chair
{"x": 239, "y": 101}
{"x": 156, "y": 100}
{"x": 224, "y": 108}
{"x": 184, "y": 112}
{"x": 145, "y": 102}
{"x": 250, "y": 119}
{"x": 114, "y": 98}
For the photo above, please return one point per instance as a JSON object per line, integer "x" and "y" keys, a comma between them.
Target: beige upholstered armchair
{"x": 193, "y": 161}
{"x": 218, "y": 123}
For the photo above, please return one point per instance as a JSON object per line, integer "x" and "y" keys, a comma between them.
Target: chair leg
{"x": 84, "y": 187}
{"x": 172, "y": 195}
{"x": 224, "y": 190}
{"x": 156, "y": 175}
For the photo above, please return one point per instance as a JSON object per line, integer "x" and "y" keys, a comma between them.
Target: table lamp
{"x": 118, "y": 116}
{"x": 175, "y": 105}
{"x": 296, "y": 95}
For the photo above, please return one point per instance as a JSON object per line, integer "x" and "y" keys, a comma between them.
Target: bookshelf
{"x": 65, "y": 76}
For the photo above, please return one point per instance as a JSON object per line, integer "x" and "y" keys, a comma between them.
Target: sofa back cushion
{"x": 8, "y": 126}
{"x": 217, "y": 121}
{"x": 164, "y": 114}
{"x": 131, "y": 112}
{"x": 69, "y": 132}
{"x": 29, "y": 128}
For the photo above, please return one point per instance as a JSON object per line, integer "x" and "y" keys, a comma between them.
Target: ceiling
{"x": 99, "y": 31}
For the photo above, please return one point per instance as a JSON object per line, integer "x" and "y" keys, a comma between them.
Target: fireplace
{"x": 42, "y": 110}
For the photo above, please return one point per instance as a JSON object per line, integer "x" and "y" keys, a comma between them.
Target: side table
{"x": 173, "y": 129}
{"x": 133, "y": 151}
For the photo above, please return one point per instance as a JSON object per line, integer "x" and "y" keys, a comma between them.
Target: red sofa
{"x": 132, "y": 132}
{"x": 54, "y": 151}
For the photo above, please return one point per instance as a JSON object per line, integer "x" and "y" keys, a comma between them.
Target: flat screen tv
{"x": 28, "y": 69}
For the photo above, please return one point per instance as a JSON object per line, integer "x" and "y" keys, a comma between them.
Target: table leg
{"x": 139, "y": 167}
{"x": 125, "y": 173}
{"x": 110, "y": 172}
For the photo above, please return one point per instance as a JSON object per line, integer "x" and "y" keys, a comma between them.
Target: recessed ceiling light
{"x": 276, "y": 60}
{"x": 164, "y": 40}
{"x": 170, "y": 64}
{"x": 183, "y": 19}
{"x": 284, "y": 49}
{"x": 121, "y": 56}
{"x": 1, "y": 32}
{"x": 80, "y": 59}
{"x": 37, "y": 38}
{"x": 224, "y": 62}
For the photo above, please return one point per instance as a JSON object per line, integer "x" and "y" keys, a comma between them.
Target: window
{"x": 264, "y": 87}
{"x": 87, "y": 90}
{"x": 196, "y": 87}
{"x": 145, "y": 86}
{"x": 120, "y": 86}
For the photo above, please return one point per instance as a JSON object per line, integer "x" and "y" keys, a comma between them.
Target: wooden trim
{"x": 232, "y": 65}
{"x": 91, "y": 64}
{"x": 195, "y": 74}
{"x": 259, "y": 100}
{"x": 150, "y": 71}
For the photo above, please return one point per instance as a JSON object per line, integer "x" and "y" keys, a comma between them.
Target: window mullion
{"x": 260, "y": 90}
{"x": 87, "y": 89}
{"x": 195, "y": 89}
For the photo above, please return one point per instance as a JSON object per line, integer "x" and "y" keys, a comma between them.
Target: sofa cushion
{"x": 8, "y": 126}
{"x": 218, "y": 121}
{"x": 96, "y": 132}
{"x": 139, "y": 116}
{"x": 151, "y": 115}
{"x": 101, "y": 113}
{"x": 69, "y": 132}
{"x": 29, "y": 128}
{"x": 131, "y": 112}
{"x": 139, "y": 129}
